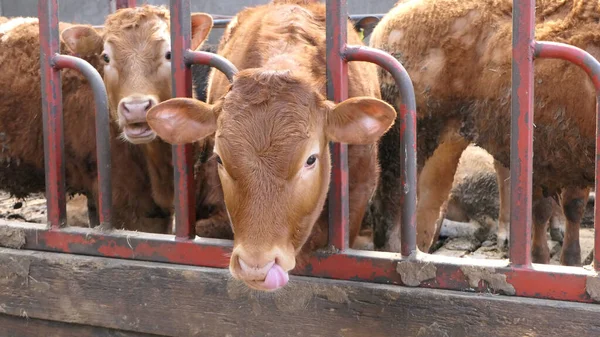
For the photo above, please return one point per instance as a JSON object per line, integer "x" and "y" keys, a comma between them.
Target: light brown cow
{"x": 459, "y": 57}
{"x": 21, "y": 135}
{"x": 271, "y": 129}
{"x": 135, "y": 51}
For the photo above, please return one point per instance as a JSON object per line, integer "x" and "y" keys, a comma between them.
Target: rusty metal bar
{"x": 211, "y": 59}
{"x": 591, "y": 66}
{"x": 539, "y": 281}
{"x": 521, "y": 138}
{"x": 408, "y": 138}
{"x": 185, "y": 210}
{"x": 52, "y": 114}
{"x": 125, "y": 3}
{"x": 337, "y": 91}
{"x": 103, "y": 160}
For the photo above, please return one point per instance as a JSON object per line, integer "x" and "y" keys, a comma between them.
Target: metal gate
{"x": 519, "y": 276}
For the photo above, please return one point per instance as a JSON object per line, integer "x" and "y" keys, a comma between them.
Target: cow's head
{"x": 272, "y": 131}
{"x": 135, "y": 48}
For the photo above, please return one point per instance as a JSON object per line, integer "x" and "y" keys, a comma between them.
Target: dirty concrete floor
{"x": 33, "y": 209}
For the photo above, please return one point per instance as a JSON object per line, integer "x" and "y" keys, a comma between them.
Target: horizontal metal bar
{"x": 103, "y": 160}
{"x": 407, "y": 117}
{"x": 591, "y": 66}
{"x": 424, "y": 270}
{"x": 211, "y": 59}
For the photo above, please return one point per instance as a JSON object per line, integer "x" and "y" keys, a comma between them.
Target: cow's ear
{"x": 359, "y": 120}
{"x": 182, "y": 120}
{"x": 201, "y": 25}
{"x": 83, "y": 39}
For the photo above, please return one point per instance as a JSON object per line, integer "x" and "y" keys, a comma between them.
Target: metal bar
{"x": 52, "y": 114}
{"x": 125, "y": 4}
{"x": 521, "y": 138}
{"x": 591, "y": 66}
{"x": 185, "y": 210}
{"x": 102, "y": 131}
{"x": 211, "y": 59}
{"x": 474, "y": 275}
{"x": 408, "y": 138}
{"x": 337, "y": 91}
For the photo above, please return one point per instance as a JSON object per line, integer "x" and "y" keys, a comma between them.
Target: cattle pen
{"x": 68, "y": 281}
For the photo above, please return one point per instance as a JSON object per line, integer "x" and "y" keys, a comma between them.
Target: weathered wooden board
{"x": 13, "y": 326}
{"x": 178, "y": 300}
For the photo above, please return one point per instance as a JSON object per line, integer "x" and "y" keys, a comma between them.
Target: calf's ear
{"x": 83, "y": 39}
{"x": 359, "y": 120}
{"x": 182, "y": 120}
{"x": 201, "y": 25}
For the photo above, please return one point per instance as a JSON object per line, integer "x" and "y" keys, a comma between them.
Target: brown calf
{"x": 135, "y": 52}
{"x": 458, "y": 55}
{"x": 271, "y": 130}
{"x": 21, "y": 134}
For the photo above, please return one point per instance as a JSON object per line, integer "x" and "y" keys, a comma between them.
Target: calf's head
{"x": 135, "y": 50}
{"x": 271, "y": 143}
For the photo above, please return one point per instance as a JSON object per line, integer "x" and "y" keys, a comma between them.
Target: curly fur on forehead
{"x": 269, "y": 114}
{"x": 258, "y": 86}
{"x": 129, "y": 18}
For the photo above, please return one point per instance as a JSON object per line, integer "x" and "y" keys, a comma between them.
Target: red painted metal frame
{"x": 521, "y": 141}
{"x": 408, "y": 138}
{"x": 337, "y": 91}
{"x": 54, "y": 147}
{"x": 103, "y": 161}
{"x": 51, "y": 62}
{"x": 185, "y": 210}
{"x": 522, "y": 277}
{"x": 591, "y": 66}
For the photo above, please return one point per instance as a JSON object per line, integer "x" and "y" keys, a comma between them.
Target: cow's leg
{"x": 542, "y": 211}
{"x": 503, "y": 174}
{"x": 556, "y": 224}
{"x": 434, "y": 184}
{"x": 574, "y": 202}
{"x": 92, "y": 210}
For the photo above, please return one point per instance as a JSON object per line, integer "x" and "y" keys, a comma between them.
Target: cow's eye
{"x": 105, "y": 58}
{"x": 218, "y": 159}
{"x": 311, "y": 161}
{"x": 168, "y": 55}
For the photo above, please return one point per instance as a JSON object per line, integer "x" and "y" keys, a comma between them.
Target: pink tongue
{"x": 276, "y": 278}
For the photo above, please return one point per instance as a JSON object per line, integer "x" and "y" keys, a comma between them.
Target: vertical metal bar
{"x": 52, "y": 114}
{"x": 521, "y": 143}
{"x": 337, "y": 91}
{"x": 408, "y": 138}
{"x": 125, "y": 4}
{"x": 185, "y": 212}
{"x": 102, "y": 131}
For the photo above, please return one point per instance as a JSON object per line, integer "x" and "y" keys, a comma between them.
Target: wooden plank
{"x": 179, "y": 300}
{"x": 13, "y": 326}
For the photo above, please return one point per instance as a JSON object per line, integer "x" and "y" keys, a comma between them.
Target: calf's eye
{"x": 311, "y": 161}
{"x": 168, "y": 55}
{"x": 218, "y": 159}
{"x": 105, "y": 58}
